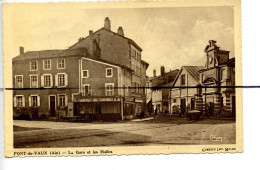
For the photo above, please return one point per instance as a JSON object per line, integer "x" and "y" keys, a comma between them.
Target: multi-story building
{"x": 218, "y": 72}
{"x": 192, "y": 87}
{"x": 184, "y": 89}
{"x": 159, "y": 90}
{"x": 102, "y": 74}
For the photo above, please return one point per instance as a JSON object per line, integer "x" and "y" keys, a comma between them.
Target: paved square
{"x": 170, "y": 131}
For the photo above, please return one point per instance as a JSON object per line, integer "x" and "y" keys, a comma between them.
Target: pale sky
{"x": 172, "y": 37}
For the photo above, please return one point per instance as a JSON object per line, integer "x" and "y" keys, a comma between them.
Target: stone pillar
{"x": 199, "y": 103}
{"x": 217, "y": 103}
{"x": 228, "y": 103}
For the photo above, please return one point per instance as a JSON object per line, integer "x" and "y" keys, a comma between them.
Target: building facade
{"x": 159, "y": 90}
{"x": 183, "y": 93}
{"x": 210, "y": 88}
{"x": 219, "y": 73}
{"x": 102, "y": 74}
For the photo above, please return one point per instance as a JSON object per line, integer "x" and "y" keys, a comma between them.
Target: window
{"x": 33, "y": 81}
{"x": 19, "y": 101}
{"x": 34, "y": 101}
{"x": 174, "y": 101}
{"x": 87, "y": 90}
{"x": 47, "y": 80}
{"x": 62, "y": 100}
{"x": 18, "y": 81}
{"x": 133, "y": 53}
{"x": 109, "y": 89}
{"x": 109, "y": 72}
{"x": 47, "y": 64}
{"x": 223, "y": 74}
{"x": 33, "y": 65}
{"x": 61, "y": 79}
{"x": 85, "y": 74}
{"x": 183, "y": 79}
{"x": 61, "y": 64}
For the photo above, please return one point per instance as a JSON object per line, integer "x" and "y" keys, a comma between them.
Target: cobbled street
{"x": 165, "y": 130}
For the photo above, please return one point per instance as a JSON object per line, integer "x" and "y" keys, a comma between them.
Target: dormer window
{"x": 109, "y": 72}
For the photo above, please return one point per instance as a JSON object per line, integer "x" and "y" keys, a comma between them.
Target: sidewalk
{"x": 140, "y": 120}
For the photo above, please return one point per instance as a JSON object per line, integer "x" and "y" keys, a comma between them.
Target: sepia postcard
{"x": 122, "y": 78}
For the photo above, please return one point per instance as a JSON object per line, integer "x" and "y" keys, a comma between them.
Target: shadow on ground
{"x": 173, "y": 119}
{"x": 19, "y": 129}
{"x": 51, "y": 138}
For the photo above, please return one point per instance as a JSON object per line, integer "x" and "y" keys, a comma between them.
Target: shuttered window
{"x": 61, "y": 80}
{"x": 34, "y": 101}
{"x": 18, "y": 81}
{"x": 47, "y": 81}
{"x": 19, "y": 101}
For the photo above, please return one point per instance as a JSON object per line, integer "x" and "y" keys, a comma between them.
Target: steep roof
{"x": 52, "y": 54}
{"x": 167, "y": 78}
{"x": 194, "y": 71}
{"x": 104, "y": 29}
{"x": 81, "y": 52}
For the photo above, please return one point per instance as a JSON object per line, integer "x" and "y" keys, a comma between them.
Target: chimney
{"x": 107, "y": 23}
{"x": 21, "y": 50}
{"x": 154, "y": 72}
{"x": 162, "y": 70}
{"x": 91, "y": 44}
{"x": 120, "y": 31}
{"x": 80, "y": 39}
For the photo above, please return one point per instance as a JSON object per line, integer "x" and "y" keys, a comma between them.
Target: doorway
{"x": 98, "y": 109}
{"x": 183, "y": 106}
{"x": 52, "y": 106}
{"x": 192, "y": 104}
{"x": 211, "y": 108}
